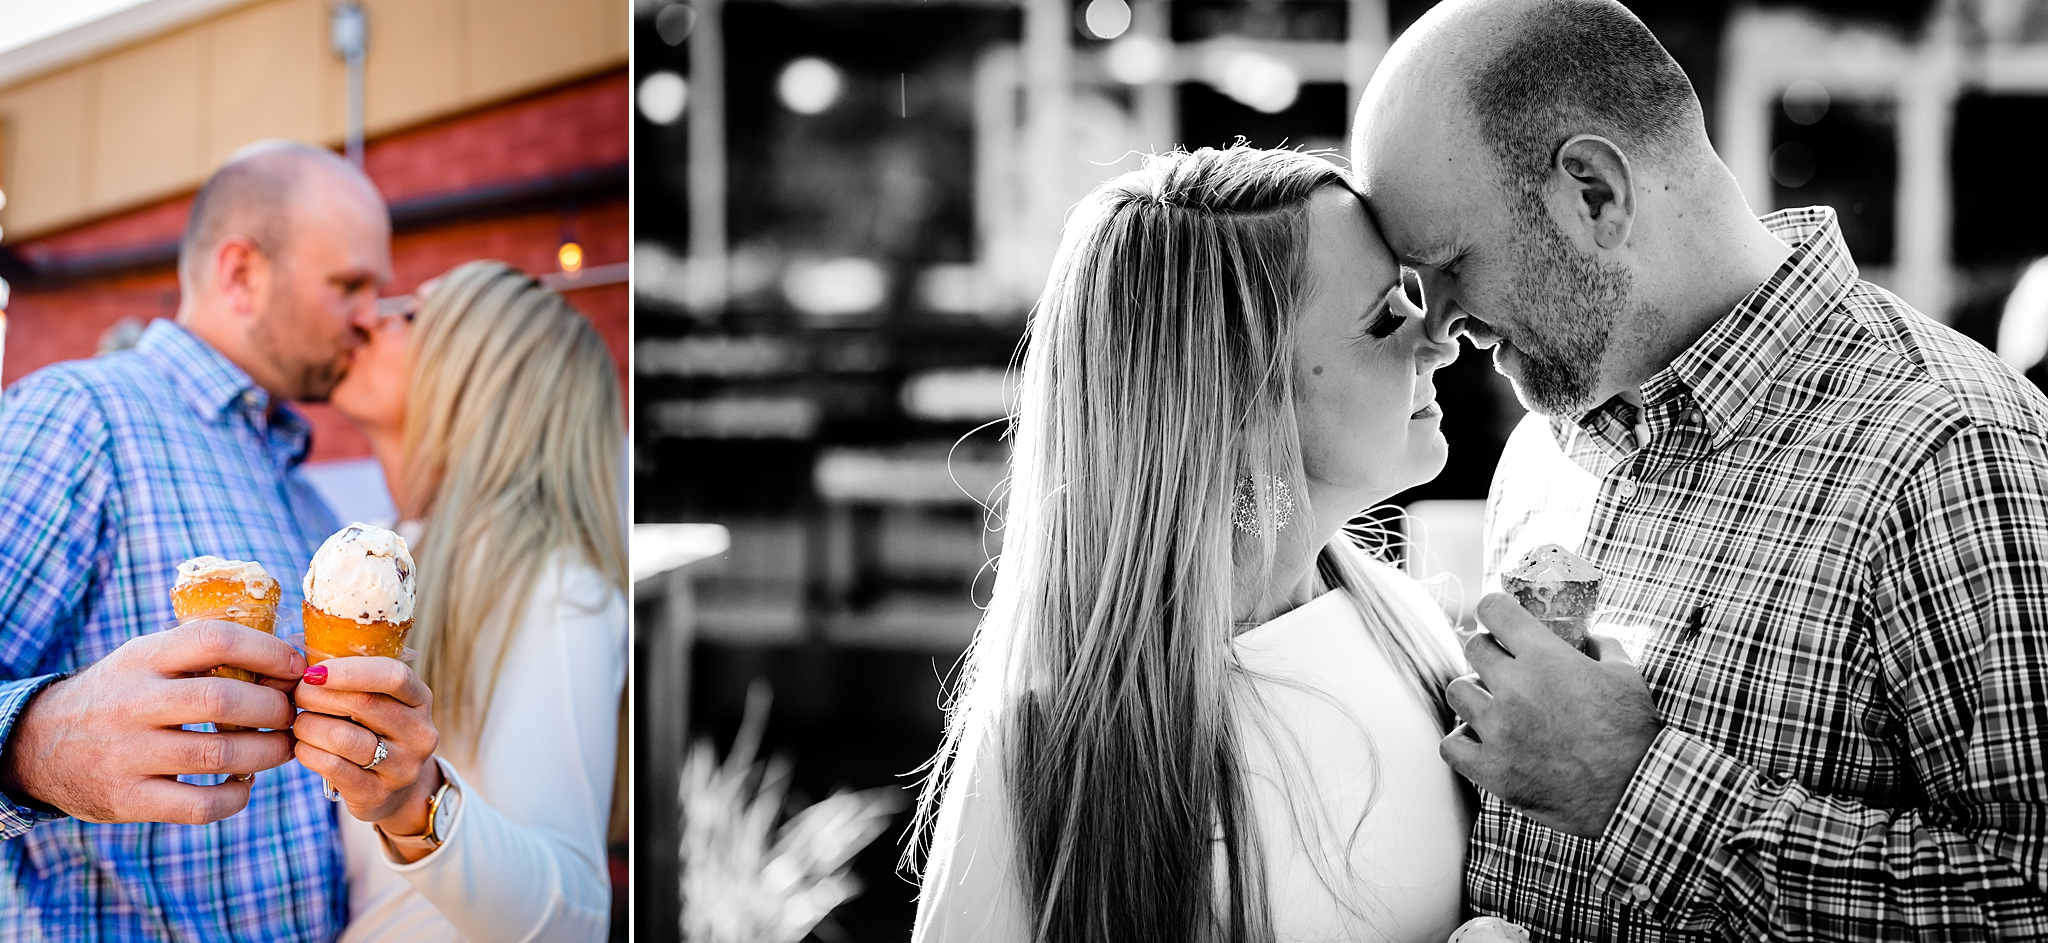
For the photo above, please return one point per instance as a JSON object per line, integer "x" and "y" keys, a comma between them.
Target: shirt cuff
{"x": 1664, "y": 852}
{"x": 17, "y": 819}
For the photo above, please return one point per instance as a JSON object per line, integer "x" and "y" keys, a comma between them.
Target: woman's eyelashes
{"x": 1386, "y": 324}
{"x": 1400, "y": 303}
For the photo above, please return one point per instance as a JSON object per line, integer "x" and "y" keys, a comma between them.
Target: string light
{"x": 810, "y": 85}
{"x": 1107, "y": 19}
{"x": 662, "y": 97}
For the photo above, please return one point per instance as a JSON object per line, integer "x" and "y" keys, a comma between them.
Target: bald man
{"x": 1822, "y": 706}
{"x": 112, "y": 472}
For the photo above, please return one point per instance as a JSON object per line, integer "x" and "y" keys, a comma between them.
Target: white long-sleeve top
{"x": 525, "y": 860}
{"x": 1362, "y": 825}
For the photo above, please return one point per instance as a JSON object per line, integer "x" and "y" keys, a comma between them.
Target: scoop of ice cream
{"x": 1488, "y": 930}
{"x": 252, "y": 576}
{"x": 363, "y": 572}
{"x": 1558, "y": 586}
{"x": 1553, "y": 563}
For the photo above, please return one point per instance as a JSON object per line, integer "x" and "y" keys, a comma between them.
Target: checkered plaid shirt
{"x": 112, "y": 472}
{"x": 1831, "y": 562}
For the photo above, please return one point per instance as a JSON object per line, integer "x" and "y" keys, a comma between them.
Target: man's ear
{"x": 1593, "y": 190}
{"x": 241, "y": 273}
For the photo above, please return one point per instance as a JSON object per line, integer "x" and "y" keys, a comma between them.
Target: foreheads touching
{"x": 1517, "y": 154}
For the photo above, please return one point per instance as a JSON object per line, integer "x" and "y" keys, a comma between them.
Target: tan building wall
{"x": 152, "y": 119}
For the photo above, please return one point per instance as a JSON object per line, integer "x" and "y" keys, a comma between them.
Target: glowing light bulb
{"x": 571, "y": 257}
{"x": 1108, "y": 19}
{"x": 662, "y": 97}
{"x": 810, "y": 85}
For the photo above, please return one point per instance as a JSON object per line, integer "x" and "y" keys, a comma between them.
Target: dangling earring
{"x": 1244, "y": 505}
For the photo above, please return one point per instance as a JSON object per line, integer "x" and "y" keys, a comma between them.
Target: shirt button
{"x": 1639, "y": 893}
{"x": 1626, "y": 489}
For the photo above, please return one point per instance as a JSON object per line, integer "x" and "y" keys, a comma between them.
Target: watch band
{"x": 432, "y": 838}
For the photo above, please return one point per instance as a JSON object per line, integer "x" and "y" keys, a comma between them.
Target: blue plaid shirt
{"x": 112, "y": 472}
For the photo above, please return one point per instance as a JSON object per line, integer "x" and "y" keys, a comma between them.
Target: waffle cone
{"x": 332, "y": 636}
{"x": 227, "y": 601}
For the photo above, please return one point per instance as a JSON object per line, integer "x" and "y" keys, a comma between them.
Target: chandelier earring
{"x": 1244, "y": 505}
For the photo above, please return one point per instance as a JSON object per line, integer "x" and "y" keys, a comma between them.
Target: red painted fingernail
{"x": 316, "y": 675}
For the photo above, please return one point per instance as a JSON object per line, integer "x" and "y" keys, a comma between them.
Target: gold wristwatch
{"x": 441, "y": 809}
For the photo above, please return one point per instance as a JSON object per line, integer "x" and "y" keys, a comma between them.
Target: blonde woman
{"x": 1196, "y": 710}
{"x": 494, "y": 411}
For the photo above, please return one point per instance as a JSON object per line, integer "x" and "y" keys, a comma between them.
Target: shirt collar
{"x": 209, "y": 381}
{"x": 1727, "y": 368}
{"x": 216, "y": 388}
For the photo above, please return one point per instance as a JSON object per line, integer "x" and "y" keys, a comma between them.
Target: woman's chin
{"x": 1429, "y": 454}
{"x": 341, "y": 402}
{"x": 350, "y": 403}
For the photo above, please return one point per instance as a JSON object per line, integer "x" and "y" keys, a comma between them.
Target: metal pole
{"x": 349, "y": 29}
{"x": 707, "y": 177}
{"x": 1923, "y": 216}
{"x": 1048, "y": 83}
{"x": 664, "y": 644}
{"x": 354, "y": 147}
{"x": 1365, "y": 46}
{"x": 1158, "y": 107}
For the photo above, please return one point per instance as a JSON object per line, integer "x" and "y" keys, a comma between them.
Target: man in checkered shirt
{"x": 1821, "y": 711}
{"x": 112, "y": 472}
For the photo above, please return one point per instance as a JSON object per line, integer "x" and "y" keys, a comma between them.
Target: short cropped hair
{"x": 250, "y": 195}
{"x": 1577, "y": 67}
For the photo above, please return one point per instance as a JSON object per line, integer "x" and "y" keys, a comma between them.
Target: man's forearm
{"x": 19, "y": 809}
{"x": 1703, "y": 842}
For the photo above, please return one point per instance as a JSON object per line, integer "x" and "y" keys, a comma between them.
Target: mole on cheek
{"x": 1317, "y": 370}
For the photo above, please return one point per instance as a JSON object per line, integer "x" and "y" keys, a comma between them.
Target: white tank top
{"x": 1340, "y": 732}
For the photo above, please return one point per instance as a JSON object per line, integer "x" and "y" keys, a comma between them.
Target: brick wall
{"x": 583, "y": 125}
{"x": 579, "y": 126}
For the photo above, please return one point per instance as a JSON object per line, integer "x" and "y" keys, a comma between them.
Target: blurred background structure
{"x": 495, "y": 129}
{"x": 844, "y": 209}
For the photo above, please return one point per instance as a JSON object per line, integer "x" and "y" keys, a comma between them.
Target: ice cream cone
{"x": 1488, "y": 930}
{"x": 237, "y": 591}
{"x": 359, "y": 595}
{"x": 1559, "y": 587}
{"x": 332, "y": 636}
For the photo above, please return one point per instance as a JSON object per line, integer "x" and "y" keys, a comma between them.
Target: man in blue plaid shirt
{"x": 1821, "y": 708}
{"x": 112, "y": 472}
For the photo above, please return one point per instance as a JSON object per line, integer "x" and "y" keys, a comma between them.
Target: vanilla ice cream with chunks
{"x": 1488, "y": 930}
{"x": 359, "y": 594}
{"x": 1559, "y": 587}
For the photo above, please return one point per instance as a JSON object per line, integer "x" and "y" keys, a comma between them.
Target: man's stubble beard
{"x": 1569, "y": 303}
{"x": 306, "y": 380}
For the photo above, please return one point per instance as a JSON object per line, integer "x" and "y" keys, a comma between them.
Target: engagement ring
{"x": 382, "y": 752}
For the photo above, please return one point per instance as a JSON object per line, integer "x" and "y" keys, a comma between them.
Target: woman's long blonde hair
{"x": 513, "y": 432}
{"x": 1157, "y": 375}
